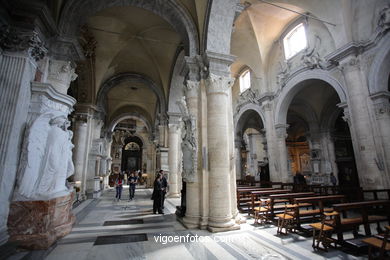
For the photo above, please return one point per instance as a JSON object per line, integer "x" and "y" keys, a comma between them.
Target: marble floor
{"x": 108, "y": 229}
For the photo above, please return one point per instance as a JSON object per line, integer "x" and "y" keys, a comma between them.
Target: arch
{"x": 129, "y": 115}
{"x": 309, "y": 116}
{"x": 134, "y": 138}
{"x": 295, "y": 84}
{"x": 220, "y": 19}
{"x": 238, "y": 122}
{"x": 131, "y": 78}
{"x": 75, "y": 14}
{"x": 380, "y": 69}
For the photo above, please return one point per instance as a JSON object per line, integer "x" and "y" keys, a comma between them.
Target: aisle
{"x": 107, "y": 229}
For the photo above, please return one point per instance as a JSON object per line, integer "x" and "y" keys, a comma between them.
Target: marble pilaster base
{"x": 173, "y": 195}
{"x": 223, "y": 229}
{"x": 38, "y": 224}
{"x": 190, "y": 222}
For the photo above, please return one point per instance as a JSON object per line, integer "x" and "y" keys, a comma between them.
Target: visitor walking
{"x": 132, "y": 181}
{"x": 118, "y": 187}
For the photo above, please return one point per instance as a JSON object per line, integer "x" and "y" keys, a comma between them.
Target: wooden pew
{"x": 244, "y": 195}
{"x": 319, "y": 201}
{"x": 376, "y": 194}
{"x": 256, "y": 195}
{"x": 364, "y": 208}
{"x": 285, "y": 198}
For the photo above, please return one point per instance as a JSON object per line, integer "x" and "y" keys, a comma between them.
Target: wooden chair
{"x": 261, "y": 212}
{"x": 322, "y": 231}
{"x": 286, "y": 220}
{"x": 382, "y": 244}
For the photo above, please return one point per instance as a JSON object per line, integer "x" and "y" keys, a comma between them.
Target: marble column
{"x": 367, "y": 153}
{"x": 329, "y": 155}
{"x": 272, "y": 146}
{"x": 220, "y": 215}
{"x": 192, "y": 216}
{"x": 80, "y": 151}
{"x": 17, "y": 70}
{"x": 237, "y": 155}
{"x": 173, "y": 158}
{"x": 281, "y": 135}
{"x": 382, "y": 115}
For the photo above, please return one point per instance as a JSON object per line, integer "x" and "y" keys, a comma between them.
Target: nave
{"x": 107, "y": 229}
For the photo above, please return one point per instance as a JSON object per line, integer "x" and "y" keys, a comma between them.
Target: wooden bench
{"x": 256, "y": 195}
{"x": 318, "y": 201}
{"x": 365, "y": 218}
{"x": 285, "y": 198}
{"x": 375, "y": 194}
{"x": 244, "y": 195}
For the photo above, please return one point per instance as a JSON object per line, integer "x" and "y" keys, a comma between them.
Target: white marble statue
{"x": 46, "y": 160}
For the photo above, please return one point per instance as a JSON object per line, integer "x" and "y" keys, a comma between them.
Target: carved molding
{"x": 281, "y": 130}
{"x": 13, "y": 39}
{"x": 384, "y": 19}
{"x": 382, "y": 109}
{"x": 216, "y": 84}
{"x": 192, "y": 88}
{"x": 248, "y": 96}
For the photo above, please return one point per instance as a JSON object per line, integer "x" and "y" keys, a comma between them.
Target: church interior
{"x": 269, "y": 119}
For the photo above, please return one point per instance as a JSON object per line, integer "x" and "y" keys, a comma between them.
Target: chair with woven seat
{"x": 382, "y": 244}
{"x": 322, "y": 231}
{"x": 261, "y": 212}
{"x": 286, "y": 220}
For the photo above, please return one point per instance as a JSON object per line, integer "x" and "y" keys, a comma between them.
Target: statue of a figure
{"x": 311, "y": 58}
{"x": 47, "y": 159}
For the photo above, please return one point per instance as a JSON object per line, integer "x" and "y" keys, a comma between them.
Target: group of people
{"x": 160, "y": 187}
{"x": 132, "y": 181}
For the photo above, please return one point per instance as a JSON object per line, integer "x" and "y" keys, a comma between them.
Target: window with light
{"x": 245, "y": 81}
{"x": 295, "y": 41}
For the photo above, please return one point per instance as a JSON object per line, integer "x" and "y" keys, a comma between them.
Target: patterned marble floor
{"x": 107, "y": 229}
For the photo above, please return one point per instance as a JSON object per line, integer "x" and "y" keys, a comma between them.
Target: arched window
{"x": 245, "y": 81}
{"x": 294, "y": 41}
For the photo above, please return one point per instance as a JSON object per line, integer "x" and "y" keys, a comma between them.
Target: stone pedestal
{"x": 38, "y": 224}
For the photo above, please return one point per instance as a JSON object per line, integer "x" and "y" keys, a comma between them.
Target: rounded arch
{"x": 380, "y": 68}
{"x": 75, "y": 14}
{"x": 239, "y": 118}
{"x": 295, "y": 84}
{"x": 134, "y": 138}
{"x": 219, "y": 19}
{"x": 131, "y": 78}
{"x": 129, "y": 115}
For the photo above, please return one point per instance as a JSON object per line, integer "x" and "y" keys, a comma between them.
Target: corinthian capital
{"x": 61, "y": 73}
{"x": 192, "y": 88}
{"x": 216, "y": 84}
{"x": 17, "y": 40}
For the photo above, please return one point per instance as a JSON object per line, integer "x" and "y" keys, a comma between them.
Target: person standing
{"x": 118, "y": 187}
{"x": 157, "y": 195}
{"x": 333, "y": 179}
{"x": 132, "y": 181}
{"x": 164, "y": 183}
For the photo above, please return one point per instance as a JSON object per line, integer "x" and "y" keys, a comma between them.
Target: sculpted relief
{"x": 188, "y": 144}
{"x": 46, "y": 160}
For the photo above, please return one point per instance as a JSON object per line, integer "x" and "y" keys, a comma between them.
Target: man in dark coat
{"x": 157, "y": 195}
{"x": 164, "y": 186}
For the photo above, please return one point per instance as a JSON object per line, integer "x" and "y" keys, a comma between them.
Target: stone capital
{"x": 81, "y": 118}
{"x": 350, "y": 63}
{"x": 192, "y": 88}
{"x": 281, "y": 130}
{"x": 19, "y": 40}
{"x": 60, "y": 74}
{"x": 216, "y": 84}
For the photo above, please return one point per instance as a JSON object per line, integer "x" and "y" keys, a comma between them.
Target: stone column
{"x": 220, "y": 217}
{"x": 237, "y": 155}
{"x": 272, "y": 146}
{"x": 80, "y": 151}
{"x": 173, "y": 157}
{"x": 361, "y": 125}
{"x": 281, "y": 135}
{"x": 18, "y": 55}
{"x": 192, "y": 215}
{"x": 329, "y": 156}
{"x": 382, "y": 114}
